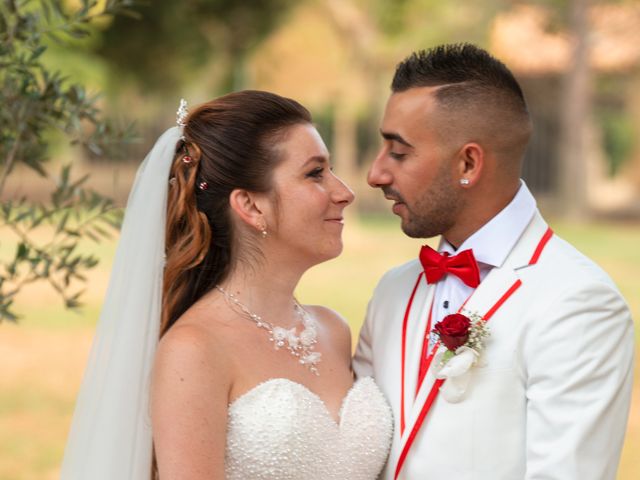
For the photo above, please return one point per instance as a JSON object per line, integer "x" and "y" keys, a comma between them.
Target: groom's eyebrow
{"x": 395, "y": 137}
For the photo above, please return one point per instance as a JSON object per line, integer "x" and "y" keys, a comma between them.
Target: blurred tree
{"x": 177, "y": 39}
{"x": 37, "y": 101}
{"x": 377, "y": 35}
{"x": 576, "y": 109}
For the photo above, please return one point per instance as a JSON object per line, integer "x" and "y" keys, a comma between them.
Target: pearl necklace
{"x": 300, "y": 346}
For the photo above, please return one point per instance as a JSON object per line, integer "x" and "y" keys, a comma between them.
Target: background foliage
{"x": 72, "y": 72}
{"x": 39, "y": 102}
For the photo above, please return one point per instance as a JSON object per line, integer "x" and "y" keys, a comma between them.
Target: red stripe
{"x": 433, "y": 393}
{"x": 435, "y": 389}
{"x": 503, "y": 299}
{"x": 543, "y": 243}
{"x": 425, "y": 359}
{"x": 404, "y": 344}
{"x": 423, "y": 413}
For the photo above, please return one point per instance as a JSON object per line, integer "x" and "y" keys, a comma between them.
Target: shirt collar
{"x": 495, "y": 239}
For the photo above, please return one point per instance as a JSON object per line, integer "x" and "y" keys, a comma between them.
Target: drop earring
{"x": 263, "y": 230}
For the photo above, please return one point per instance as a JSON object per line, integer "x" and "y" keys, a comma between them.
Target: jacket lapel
{"x": 487, "y": 298}
{"x": 415, "y": 331}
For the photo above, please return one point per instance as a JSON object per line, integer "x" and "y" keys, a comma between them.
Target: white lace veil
{"x": 110, "y": 436}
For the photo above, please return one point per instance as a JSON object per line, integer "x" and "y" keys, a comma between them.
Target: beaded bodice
{"x": 281, "y": 430}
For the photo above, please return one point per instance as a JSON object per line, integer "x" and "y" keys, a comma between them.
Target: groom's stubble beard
{"x": 436, "y": 210}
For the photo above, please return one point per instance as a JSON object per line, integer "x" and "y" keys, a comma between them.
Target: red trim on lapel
{"x": 503, "y": 299}
{"x": 543, "y": 243}
{"x": 435, "y": 389}
{"x": 404, "y": 349}
{"x": 433, "y": 393}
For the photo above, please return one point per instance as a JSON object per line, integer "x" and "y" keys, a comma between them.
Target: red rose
{"x": 453, "y": 330}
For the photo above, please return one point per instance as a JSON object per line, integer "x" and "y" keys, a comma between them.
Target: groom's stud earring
{"x": 464, "y": 181}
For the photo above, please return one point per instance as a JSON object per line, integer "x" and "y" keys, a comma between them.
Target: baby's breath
{"x": 477, "y": 332}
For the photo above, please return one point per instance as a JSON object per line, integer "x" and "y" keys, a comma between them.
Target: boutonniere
{"x": 463, "y": 336}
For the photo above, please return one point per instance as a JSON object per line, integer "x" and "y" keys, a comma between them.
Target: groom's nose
{"x": 379, "y": 175}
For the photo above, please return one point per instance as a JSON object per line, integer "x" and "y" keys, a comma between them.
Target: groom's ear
{"x": 471, "y": 162}
{"x": 249, "y": 207}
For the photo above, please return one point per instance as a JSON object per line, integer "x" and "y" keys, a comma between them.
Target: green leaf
{"x": 448, "y": 355}
{"x": 35, "y": 54}
{"x": 63, "y": 221}
{"x": 23, "y": 251}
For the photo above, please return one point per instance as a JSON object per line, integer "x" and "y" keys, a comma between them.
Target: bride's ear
{"x": 249, "y": 207}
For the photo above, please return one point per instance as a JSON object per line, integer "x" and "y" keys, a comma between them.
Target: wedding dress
{"x": 278, "y": 430}
{"x": 282, "y": 430}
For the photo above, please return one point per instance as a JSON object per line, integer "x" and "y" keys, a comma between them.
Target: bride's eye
{"x": 316, "y": 173}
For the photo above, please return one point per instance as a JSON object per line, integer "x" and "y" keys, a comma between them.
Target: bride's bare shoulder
{"x": 334, "y": 323}
{"x": 196, "y": 344}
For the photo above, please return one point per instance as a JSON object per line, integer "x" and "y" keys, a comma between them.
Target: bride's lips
{"x": 337, "y": 220}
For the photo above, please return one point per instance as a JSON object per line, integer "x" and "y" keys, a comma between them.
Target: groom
{"x": 548, "y": 395}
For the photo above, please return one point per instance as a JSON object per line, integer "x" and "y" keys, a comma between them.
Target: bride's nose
{"x": 341, "y": 192}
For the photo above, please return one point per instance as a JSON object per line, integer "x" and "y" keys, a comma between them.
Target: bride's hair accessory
{"x": 300, "y": 346}
{"x": 181, "y": 114}
{"x": 187, "y": 159}
{"x": 231, "y": 141}
{"x": 110, "y": 435}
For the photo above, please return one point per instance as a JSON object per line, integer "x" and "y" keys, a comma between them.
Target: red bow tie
{"x": 437, "y": 265}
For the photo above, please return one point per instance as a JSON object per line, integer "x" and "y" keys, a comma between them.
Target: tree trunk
{"x": 575, "y": 114}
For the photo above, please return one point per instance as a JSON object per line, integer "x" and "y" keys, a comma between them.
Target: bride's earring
{"x": 263, "y": 229}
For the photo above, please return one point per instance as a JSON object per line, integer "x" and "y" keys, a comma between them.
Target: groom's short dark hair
{"x": 472, "y": 82}
{"x": 455, "y": 64}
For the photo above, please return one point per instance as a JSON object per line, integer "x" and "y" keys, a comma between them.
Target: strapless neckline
{"x": 282, "y": 430}
{"x": 303, "y": 389}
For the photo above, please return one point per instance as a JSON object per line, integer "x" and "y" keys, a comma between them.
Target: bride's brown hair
{"x": 229, "y": 143}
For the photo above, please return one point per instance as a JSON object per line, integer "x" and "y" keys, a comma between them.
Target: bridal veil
{"x": 110, "y": 436}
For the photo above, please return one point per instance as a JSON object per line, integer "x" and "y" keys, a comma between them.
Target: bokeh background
{"x": 578, "y": 62}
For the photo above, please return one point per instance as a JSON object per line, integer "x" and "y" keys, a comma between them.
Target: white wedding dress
{"x": 278, "y": 430}
{"x": 281, "y": 430}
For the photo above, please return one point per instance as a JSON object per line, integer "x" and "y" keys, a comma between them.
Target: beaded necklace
{"x": 300, "y": 346}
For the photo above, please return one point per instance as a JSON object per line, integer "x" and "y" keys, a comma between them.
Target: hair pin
{"x": 187, "y": 159}
{"x": 182, "y": 113}
{"x": 203, "y": 185}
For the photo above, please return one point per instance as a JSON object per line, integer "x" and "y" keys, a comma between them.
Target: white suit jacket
{"x": 552, "y": 397}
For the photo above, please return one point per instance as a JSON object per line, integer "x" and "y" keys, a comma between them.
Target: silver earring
{"x": 263, "y": 232}
{"x": 464, "y": 181}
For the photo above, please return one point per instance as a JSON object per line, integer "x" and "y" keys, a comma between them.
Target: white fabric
{"x": 456, "y": 372}
{"x": 280, "y": 430}
{"x": 490, "y": 244}
{"x": 110, "y": 436}
{"x": 551, "y": 398}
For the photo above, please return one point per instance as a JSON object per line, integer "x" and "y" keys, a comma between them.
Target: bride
{"x": 228, "y": 211}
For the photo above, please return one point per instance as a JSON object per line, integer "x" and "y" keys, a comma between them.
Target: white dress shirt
{"x": 490, "y": 244}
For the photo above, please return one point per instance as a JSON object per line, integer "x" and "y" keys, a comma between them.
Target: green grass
{"x": 43, "y": 357}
